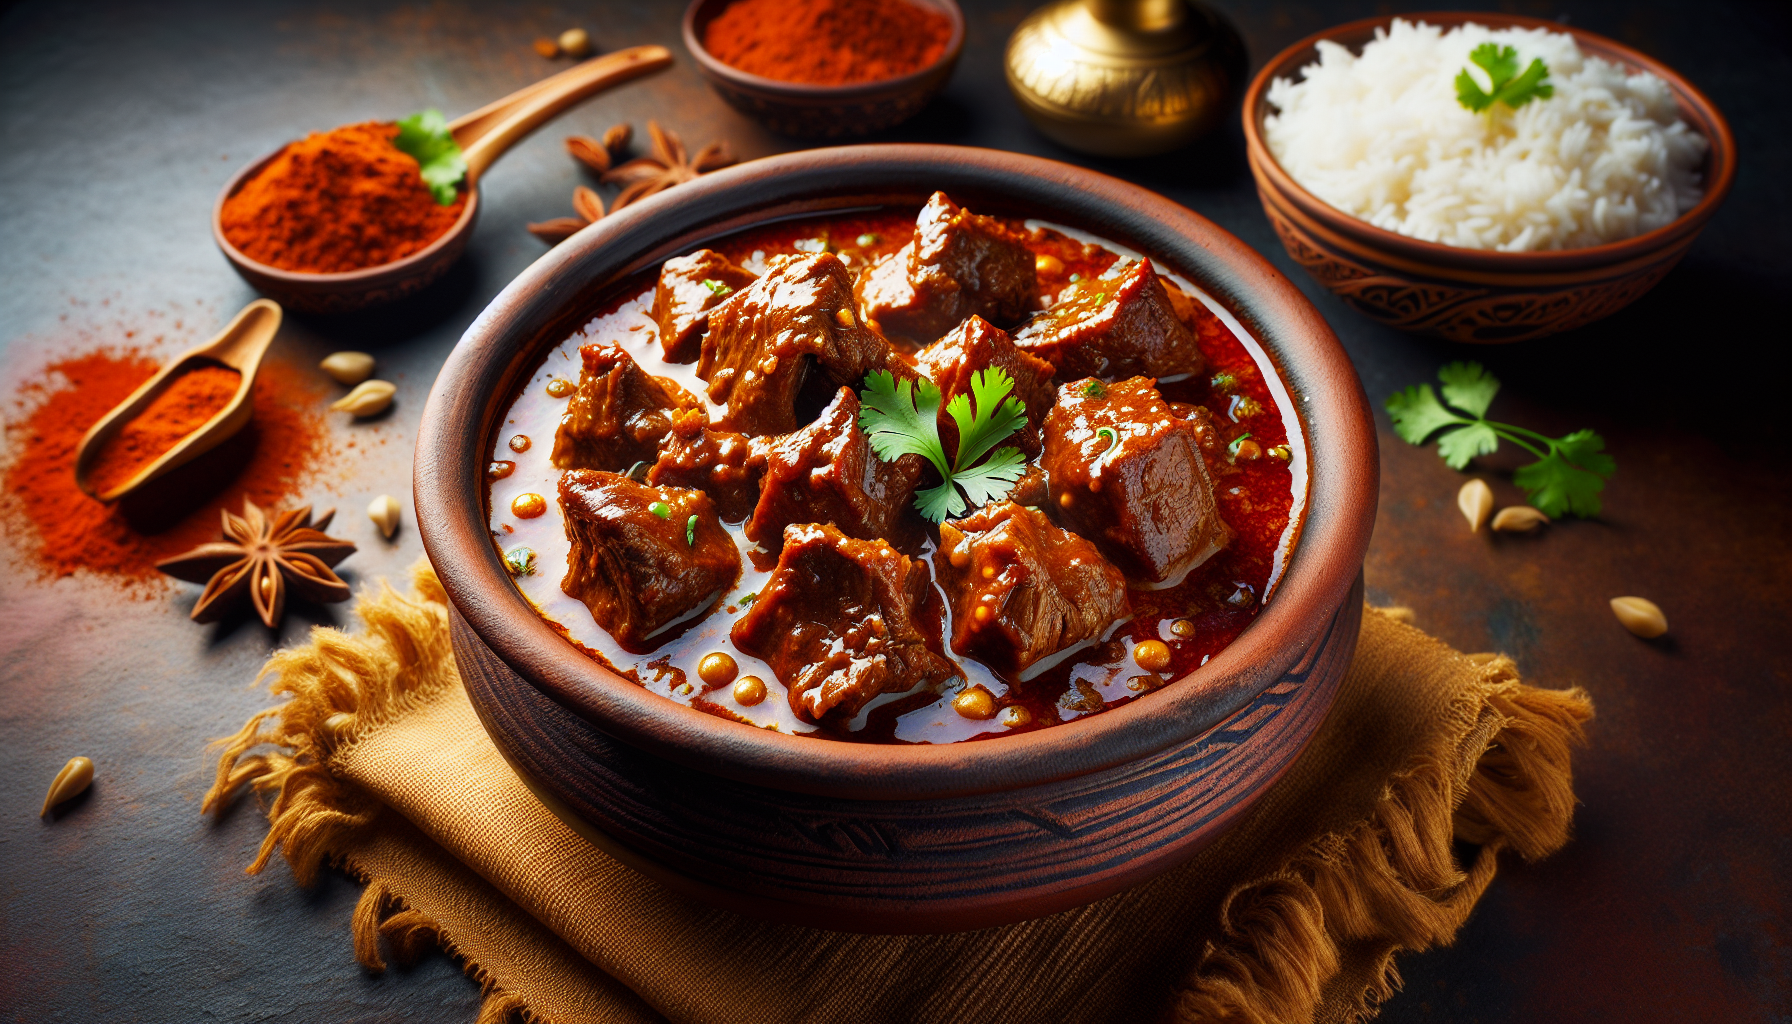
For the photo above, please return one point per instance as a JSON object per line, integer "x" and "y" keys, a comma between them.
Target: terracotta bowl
{"x": 351, "y": 290}
{"x": 896, "y": 838}
{"x": 1471, "y": 294}
{"x": 823, "y": 111}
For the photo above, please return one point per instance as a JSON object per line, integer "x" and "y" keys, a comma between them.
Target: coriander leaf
{"x": 1505, "y": 84}
{"x": 1417, "y": 413}
{"x": 1567, "y": 481}
{"x": 1528, "y": 86}
{"x": 939, "y": 503}
{"x": 1469, "y": 387}
{"x": 902, "y": 418}
{"x": 1558, "y": 488}
{"x": 998, "y": 414}
{"x": 717, "y": 288}
{"x": 1587, "y": 450}
{"x": 994, "y": 478}
{"x": 425, "y": 136}
{"x": 1500, "y": 63}
{"x": 1464, "y": 443}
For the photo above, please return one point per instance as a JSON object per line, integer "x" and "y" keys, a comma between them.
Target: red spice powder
{"x": 827, "y": 42}
{"x": 337, "y": 201}
{"x": 185, "y": 404}
{"x": 64, "y": 530}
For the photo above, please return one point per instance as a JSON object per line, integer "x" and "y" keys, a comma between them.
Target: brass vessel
{"x": 1125, "y": 77}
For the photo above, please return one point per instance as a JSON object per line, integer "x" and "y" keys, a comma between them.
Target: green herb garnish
{"x": 1569, "y": 472}
{"x": 1095, "y": 389}
{"x": 520, "y": 561}
{"x": 717, "y": 288}
{"x": 748, "y": 598}
{"x": 690, "y": 532}
{"x": 425, "y": 135}
{"x": 866, "y": 240}
{"x": 1237, "y": 442}
{"x": 902, "y": 418}
{"x": 1224, "y": 382}
{"x": 1112, "y": 438}
{"x": 661, "y": 509}
{"x": 1509, "y": 87}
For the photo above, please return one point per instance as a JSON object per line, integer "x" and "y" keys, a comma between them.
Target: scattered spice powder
{"x": 827, "y": 42}
{"x": 285, "y": 442}
{"x": 337, "y": 201}
{"x": 184, "y": 405}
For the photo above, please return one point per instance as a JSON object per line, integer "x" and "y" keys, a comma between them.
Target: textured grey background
{"x": 118, "y": 124}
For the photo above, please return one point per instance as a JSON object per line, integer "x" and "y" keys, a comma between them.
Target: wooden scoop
{"x": 239, "y": 346}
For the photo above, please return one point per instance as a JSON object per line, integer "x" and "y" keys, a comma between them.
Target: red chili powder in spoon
{"x": 184, "y": 406}
{"x": 337, "y": 201}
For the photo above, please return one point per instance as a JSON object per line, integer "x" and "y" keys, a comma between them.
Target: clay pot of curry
{"x": 963, "y": 813}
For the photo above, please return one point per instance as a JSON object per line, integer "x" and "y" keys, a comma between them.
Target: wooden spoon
{"x": 240, "y": 346}
{"x": 483, "y": 136}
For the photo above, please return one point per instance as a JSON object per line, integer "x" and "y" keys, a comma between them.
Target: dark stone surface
{"x": 119, "y": 122}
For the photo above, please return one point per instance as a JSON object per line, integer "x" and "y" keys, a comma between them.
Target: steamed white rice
{"x": 1382, "y": 137}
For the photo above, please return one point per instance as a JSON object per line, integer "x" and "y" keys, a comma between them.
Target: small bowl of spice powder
{"x": 340, "y": 220}
{"x": 826, "y": 68}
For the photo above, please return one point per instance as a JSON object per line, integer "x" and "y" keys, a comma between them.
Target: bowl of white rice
{"x": 1543, "y": 211}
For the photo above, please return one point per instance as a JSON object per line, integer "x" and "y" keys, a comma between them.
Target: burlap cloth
{"x": 378, "y": 764}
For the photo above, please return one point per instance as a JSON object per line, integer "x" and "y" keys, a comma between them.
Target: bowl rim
{"x": 818, "y": 93}
{"x": 1721, "y": 156}
{"x": 478, "y": 378}
{"x": 338, "y": 281}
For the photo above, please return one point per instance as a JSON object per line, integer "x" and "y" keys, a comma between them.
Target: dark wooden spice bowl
{"x": 823, "y": 111}
{"x": 350, "y": 290}
{"x": 895, "y": 838}
{"x": 1476, "y": 295}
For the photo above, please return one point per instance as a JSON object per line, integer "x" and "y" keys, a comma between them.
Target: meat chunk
{"x": 840, "y": 621}
{"x": 1127, "y": 473}
{"x": 1031, "y": 488}
{"x": 958, "y": 264}
{"x": 827, "y": 473}
{"x": 720, "y": 463}
{"x": 642, "y": 557}
{"x": 1022, "y": 588}
{"x": 766, "y": 340}
{"x": 618, "y": 414}
{"x": 1120, "y": 324}
{"x": 977, "y": 345}
{"x": 689, "y": 287}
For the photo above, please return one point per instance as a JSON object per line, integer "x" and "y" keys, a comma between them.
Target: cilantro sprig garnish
{"x": 902, "y": 418}
{"x": 1569, "y": 472}
{"x": 1508, "y": 85}
{"x": 425, "y": 136}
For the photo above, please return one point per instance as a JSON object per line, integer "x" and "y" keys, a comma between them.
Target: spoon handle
{"x": 486, "y": 133}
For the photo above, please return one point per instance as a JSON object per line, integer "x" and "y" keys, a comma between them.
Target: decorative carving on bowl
{"x": 1458, "y": 313}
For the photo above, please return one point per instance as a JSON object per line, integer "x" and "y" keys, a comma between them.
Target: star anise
{"x": 260, "y": 558}
{"x": 587, "y": 204}
{"x": 666, "y": 167}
